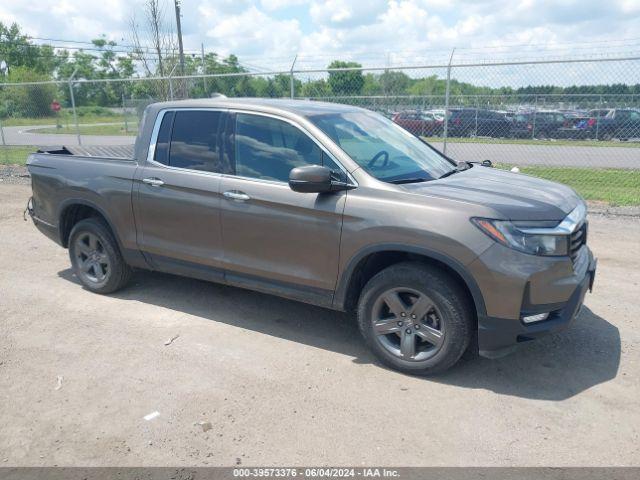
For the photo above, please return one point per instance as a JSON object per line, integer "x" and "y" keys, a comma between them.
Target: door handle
{"x": 154, "y": 182}
{"x": 235, "y": 195}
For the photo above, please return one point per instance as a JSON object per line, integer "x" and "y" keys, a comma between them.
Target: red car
{"x": 424, "y": 124}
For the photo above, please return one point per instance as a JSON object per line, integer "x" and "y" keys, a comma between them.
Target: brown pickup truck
{"x": 331, "y": 205}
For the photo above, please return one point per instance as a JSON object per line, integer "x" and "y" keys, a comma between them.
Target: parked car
{"x": 538, "y": 124}
{"x": 420, "y": 123}
{"x": 600, "y": 112}
{"x": 331, "y": 205}
{"x": 620, "y": 123}
{"x": 579, "y": 127}
{"x": 478, "y": 122}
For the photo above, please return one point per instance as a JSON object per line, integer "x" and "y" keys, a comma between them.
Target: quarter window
{"x": 268, "y": 148}
{"x": 162, "y": 142}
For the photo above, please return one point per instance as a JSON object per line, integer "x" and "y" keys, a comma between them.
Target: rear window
{"x": 196, "y": 141}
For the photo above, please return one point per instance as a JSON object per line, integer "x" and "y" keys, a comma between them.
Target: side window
{"x": 268, "y": 148}
{"x": 196, "y": 141}
{"x": 162, "y": 142}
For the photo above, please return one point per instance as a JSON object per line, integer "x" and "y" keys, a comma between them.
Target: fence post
{"x": 73, "y": 105}
{"x": 204, "y": 72}
{"x": 4, "y": 144}
{"x": 446, "y": 103}
{"x": 535, "y": 111}
{"x": 291, "y": 77}
{"x": 124, "y": 111}
{"x": 171, "y": 81}
{"x": 477, "y": 108}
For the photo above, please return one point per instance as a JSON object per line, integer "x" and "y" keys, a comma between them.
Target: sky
{"x": 267, "y": 34}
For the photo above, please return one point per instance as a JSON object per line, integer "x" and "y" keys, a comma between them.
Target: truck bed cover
{"x": 103, "y": 151}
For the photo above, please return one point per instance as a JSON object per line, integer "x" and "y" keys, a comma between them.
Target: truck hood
{"x": 515, "y": 196}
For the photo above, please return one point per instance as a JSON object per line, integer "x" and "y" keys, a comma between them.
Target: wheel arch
{"x": 74, "y": 210}
{"x": 370, "y": 260}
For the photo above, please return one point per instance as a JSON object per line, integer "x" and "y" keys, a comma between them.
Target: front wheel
{"x": 95, "y": 257}
{"x": 415, "y": 318}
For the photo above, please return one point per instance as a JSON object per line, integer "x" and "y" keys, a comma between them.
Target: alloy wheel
{"x": 408, "y": 324}
{"x": 93, "y": 262}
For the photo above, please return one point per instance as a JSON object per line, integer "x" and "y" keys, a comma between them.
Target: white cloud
{"x": 270, "y": 32}
{"x": 252, "y": 32}
{"x": 345, "y": 13}
{"x": 272, "y": 5}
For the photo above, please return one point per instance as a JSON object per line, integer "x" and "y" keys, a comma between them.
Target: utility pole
{"x": 179, "y": 29}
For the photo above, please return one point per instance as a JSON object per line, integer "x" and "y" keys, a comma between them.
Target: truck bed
{"x": 125, "y": 152}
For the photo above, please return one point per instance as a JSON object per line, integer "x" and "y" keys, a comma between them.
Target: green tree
{"x": 394, "y": 83}
{"x": 348, "y": 82}
{"x": 17, "y": 51}
{"x": 27, "y": 100}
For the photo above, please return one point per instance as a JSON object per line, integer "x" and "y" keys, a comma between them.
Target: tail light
{"x": 529, "y": 126}
{"x": 591, "y": 122}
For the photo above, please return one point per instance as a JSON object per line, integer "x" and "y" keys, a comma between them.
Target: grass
{"x": 532, "y": 141}
{"x": 11, "y": 155}
{"x": 66, "y": 118}
{"x": 617, "y": 187}
{"x": 114, "y": 129}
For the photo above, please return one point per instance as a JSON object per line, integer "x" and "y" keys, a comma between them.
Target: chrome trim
{"x": 39, "y": 220}
{"x": 154, "y": 182}
{"x": 236, "y": 195}
{"x": 154, "y": 138}
{"x": 156, "y": 128}
{"x": 570, "y": 224}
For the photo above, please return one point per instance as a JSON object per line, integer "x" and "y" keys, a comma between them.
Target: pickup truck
{"x": 331, "y": 205}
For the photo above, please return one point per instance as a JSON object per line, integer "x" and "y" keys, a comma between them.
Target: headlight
{"x": 506, "y": 233}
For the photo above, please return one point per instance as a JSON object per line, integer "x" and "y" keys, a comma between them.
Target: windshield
{"x": 382, "y": 148}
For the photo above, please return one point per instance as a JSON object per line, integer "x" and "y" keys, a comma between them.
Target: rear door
{"x": 276, "y": 239}
{"x": 178, "y": 193}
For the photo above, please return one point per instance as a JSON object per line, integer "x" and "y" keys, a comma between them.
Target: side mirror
{"x": 310, "y": 179}
{"x": 486, "y": 163}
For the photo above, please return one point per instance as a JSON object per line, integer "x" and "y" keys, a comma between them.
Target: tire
{"x": 418, "y": 287}
{"x": 95, "y": 257}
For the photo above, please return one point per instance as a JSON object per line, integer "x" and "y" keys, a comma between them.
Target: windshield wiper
{"x": 461, "y": 167}
{"x": 408, "y": 180}
{"x": 450, "y": 172}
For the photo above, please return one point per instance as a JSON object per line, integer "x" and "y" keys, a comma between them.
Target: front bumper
{"x": 500, "y": 336}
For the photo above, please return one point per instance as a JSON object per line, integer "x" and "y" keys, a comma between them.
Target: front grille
{"x": 577, "y": 240}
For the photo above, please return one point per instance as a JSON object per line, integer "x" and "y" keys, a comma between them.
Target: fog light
{"x": 535, "y": 318}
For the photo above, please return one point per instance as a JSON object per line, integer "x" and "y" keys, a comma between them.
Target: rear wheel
{"x": 415, "y": 318}
{"x": 95, "y": 257}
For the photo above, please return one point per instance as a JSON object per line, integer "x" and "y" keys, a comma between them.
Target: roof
{"x": 305, "y": 108}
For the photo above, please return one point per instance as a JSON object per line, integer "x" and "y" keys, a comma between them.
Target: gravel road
{"x": 283, "y": 383}
{"x": 546, "y": 155}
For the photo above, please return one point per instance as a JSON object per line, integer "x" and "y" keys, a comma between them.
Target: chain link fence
{"x": 575, "y": 121}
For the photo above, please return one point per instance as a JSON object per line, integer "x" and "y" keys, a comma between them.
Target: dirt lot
{"x": 287, "y": 384}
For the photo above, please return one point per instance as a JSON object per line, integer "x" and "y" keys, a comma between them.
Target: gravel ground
{"x": 14, "y": 174}
{"x": 282, "y": 383}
